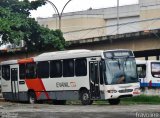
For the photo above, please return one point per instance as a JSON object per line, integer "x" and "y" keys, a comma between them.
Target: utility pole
{"x": 117, "y": 16}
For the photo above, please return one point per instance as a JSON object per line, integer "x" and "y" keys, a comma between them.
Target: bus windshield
{"x": 121, "y": 71}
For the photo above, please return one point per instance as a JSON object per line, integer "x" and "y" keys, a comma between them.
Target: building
{"x": 101, "y": 22}
{"x": 95, "y": 25}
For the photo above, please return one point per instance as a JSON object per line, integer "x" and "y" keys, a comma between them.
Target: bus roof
{"x": 64, "y": 52}
{"x": 67, "y": 54}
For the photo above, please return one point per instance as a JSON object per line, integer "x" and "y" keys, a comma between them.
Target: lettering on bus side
{"x": 65, "y": 84}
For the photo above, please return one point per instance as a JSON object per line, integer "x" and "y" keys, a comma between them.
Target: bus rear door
{"x": 94, "y": 80}
{"x": 14, "y": 82}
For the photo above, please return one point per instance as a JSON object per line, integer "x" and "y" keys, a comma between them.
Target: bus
{"x": 83, "y": 75}
{"x": 149, "y": 73}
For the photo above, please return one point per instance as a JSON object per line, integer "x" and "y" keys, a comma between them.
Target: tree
{"x": 16, "y": 25}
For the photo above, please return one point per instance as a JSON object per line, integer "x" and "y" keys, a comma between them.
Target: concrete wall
{"x": 150, "y": 11}
{"x": 95, "y": 22}
{"x": 101, "y": 22}
{"x": 124, "y": 11}
{"x": 73, "y": 27}
{"x": 135, "y": 44}
{"x": 124, "y": 26}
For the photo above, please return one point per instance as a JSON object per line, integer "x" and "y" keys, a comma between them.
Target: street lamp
{"x": 59, "y": 13}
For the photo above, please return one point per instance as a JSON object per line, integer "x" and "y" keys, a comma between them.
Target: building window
{"x": 43, "y": 69}
{"x": 30, "y": 70}
{"x": 56, "y": 68}
{"x": 68, "y": 68}
{"x": 6, "y": 72}
{"x": 81, "y": 67}
{"x": 22, "y": 72}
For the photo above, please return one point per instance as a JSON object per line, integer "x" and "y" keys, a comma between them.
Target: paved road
{"x": 18, "y": 110}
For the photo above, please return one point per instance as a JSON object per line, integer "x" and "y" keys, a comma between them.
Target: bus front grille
{"x": 125, "y": 90}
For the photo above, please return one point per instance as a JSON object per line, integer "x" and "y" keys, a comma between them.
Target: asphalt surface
{"x": 19, "y": 110}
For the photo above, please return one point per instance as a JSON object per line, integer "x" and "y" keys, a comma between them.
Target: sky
{"x": 77, "y": 5}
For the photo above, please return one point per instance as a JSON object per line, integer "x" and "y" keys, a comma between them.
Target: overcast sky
{"x": 77, "y": 5}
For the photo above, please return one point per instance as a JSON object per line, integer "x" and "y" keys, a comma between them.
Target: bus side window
{"x": 30, "y": 70}
{"x": 81, "y": 67}
{"x": 22, "y": 73}
{"x": 68, "y": 68}
{"x": 56, "y": 68}
{"x": 155, "y": 69}
{"x": 43, "y": 69}
{"x": 6, "y": 72}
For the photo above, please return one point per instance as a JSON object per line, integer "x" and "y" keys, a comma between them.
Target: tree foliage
{"x": 16, "y": 25}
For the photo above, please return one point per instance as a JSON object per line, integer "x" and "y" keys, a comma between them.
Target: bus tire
{"x": 31, "y": 97}
{"x": 59, "y": 102}
{"x": 85, "y": 97}
{"x": 114, "y": 101}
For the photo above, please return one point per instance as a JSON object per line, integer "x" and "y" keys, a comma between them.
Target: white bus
{"x": 71, "y": 75}
{"x": 149, "y": 73}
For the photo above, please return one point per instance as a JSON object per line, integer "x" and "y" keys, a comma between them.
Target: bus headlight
{"x": 111, "y": 91}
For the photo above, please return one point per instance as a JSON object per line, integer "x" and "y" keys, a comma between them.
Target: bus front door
{"x": 94, "y": 80}
{"x": 14, "y": 83}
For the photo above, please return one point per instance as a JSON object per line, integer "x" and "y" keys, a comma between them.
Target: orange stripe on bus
{"x": 37, "y": 86}
{"x": 27, "y": 60}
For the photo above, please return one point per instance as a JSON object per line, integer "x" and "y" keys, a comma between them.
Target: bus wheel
{"x": 85, "y": 98}
{"x": 114, "y": 101}
{"x": 31, "y": 97}
{"x": 59, "y": 102}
